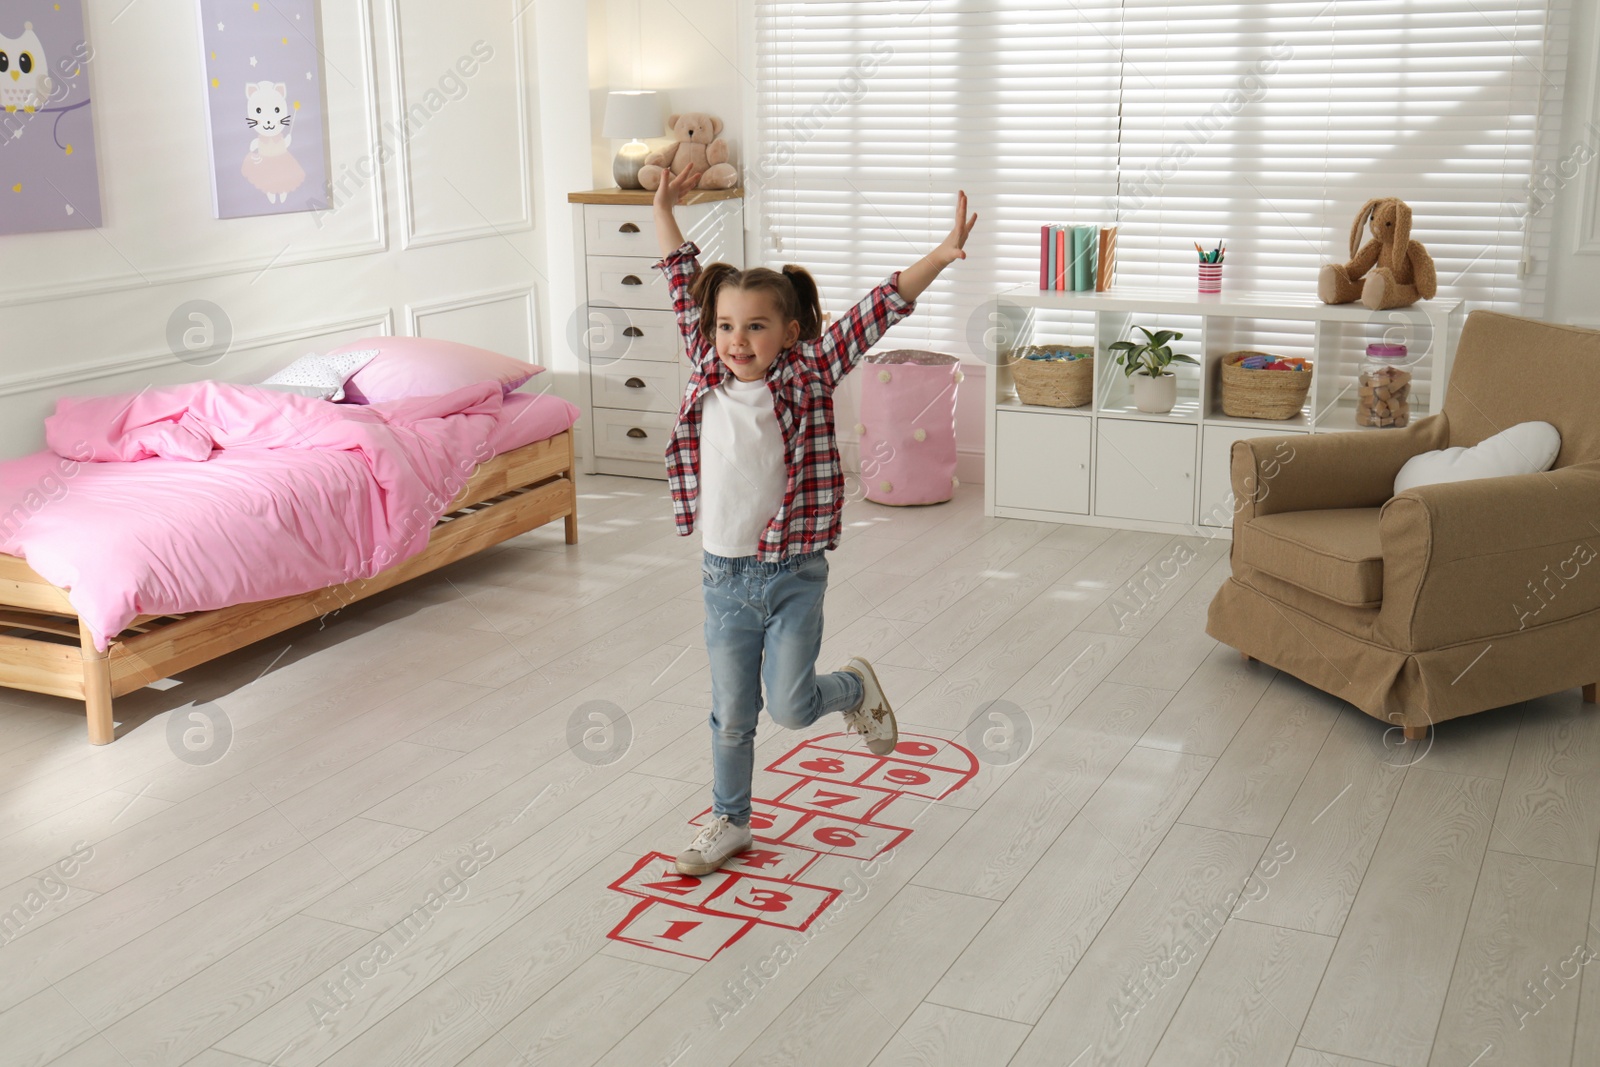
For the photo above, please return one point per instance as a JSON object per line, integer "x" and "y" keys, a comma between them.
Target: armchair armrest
{"x": 1464, "y": 561}
{"x": 1308, "y": 472}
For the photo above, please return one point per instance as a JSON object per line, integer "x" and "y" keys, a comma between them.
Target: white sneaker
{"x": 874, "y": 719}
{"x": 717, "y": 841}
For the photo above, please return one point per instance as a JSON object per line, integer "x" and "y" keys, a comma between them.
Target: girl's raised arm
{"x": 680, "y": 265}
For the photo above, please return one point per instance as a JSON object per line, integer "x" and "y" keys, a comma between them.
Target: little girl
{"x": 754, "y": 463}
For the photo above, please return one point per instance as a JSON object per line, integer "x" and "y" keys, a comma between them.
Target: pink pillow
{"x": 421, "y": 366}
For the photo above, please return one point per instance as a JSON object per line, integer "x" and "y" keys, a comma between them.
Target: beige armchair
{"x": 1446, "y": 599}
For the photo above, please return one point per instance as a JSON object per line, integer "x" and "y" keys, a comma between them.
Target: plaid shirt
{"x": 802, "y": 381}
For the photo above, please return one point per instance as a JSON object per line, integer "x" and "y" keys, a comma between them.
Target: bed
{"x": 59, "y": 637}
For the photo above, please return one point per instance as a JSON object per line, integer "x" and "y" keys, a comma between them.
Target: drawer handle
{"x": 631, "y": 279}
{"x": 634, "y": 383}
{"x": 633, "y": 331}
{"x": 636, "y": 432}
{"x": 627, "y": 227}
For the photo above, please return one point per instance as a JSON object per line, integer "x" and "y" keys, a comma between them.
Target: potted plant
{"x": 1155, "y": 388}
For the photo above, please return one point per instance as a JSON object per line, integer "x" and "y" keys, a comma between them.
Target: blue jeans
{"x": 773, "y": 608}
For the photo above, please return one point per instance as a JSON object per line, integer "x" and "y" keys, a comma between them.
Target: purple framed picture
{"x": 49, "y": 179}
{"x": 264, "y": 106}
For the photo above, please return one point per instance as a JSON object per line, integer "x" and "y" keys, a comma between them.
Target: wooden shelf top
{"x": 646, "y": 197}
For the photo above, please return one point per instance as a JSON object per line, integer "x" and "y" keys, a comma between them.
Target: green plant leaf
{"x": 1162, "y": 337}
{"x": 1180, "y": 358}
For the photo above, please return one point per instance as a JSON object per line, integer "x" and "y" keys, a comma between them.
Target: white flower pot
{"x": 1155, "y": 396}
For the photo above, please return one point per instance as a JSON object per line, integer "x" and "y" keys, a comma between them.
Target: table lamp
{"x": 632, "y": 114}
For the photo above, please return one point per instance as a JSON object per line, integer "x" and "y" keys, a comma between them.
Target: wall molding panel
{"x": 414, "y": 234}
{"x": 374, "y": 322}
{"x": 522, "y": 298}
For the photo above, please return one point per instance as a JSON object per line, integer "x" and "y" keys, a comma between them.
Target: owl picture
{"x": 24, "y": 72}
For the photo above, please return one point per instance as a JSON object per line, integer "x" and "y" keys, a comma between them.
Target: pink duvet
{"x": 205, "y": 495}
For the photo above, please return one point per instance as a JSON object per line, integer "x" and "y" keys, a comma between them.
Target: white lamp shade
{"x": 633, "y": 114}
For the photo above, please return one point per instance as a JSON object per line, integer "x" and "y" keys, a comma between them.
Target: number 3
{"x": 764, "y": 900}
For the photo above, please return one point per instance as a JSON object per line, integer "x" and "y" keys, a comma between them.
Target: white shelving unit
{"x": 1108, "y": 464}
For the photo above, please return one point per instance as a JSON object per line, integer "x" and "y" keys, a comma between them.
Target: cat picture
{"x": 269, "y": 165}
{"x": 273, "y": 158}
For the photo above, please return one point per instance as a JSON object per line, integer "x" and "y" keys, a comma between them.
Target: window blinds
{"x": 1265, "y": 123}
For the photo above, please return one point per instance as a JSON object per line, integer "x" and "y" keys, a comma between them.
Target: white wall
{"x": 688, "y": 50}
{"x": 451, "y": 238}
{"x": 1573, "y": 285}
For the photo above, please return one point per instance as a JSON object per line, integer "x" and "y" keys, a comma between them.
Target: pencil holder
{"x": 1210, "y": 277}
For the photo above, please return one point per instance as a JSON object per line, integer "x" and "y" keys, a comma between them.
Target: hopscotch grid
{"x": 916, "y": 757}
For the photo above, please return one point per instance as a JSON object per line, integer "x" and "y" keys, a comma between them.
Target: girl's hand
{"x": 917, "y": 277}
{"x": 954, "y": 246}
{"x": 672, "y": 188}
{"x": 668, "y": 193}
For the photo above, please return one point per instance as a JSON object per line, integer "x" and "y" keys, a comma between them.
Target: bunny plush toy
{"x": 1389, "y": 271}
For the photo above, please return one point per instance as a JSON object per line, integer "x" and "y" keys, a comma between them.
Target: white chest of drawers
{"x": 625, "y": 335}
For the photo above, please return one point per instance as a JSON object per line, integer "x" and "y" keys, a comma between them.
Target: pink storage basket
{"x": 908, "y": 427}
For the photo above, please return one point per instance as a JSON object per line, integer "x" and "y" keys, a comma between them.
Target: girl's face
{"x": 751, "y": 332}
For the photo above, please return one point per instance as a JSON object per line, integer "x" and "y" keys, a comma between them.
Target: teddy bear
{"x": 1401, "y": 271}
{"x": 695, "y": 144}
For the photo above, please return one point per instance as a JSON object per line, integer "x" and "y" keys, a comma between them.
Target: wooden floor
{"x": 1198, "y": 861}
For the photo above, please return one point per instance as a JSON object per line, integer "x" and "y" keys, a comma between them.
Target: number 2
{"x": 678, "y": 883}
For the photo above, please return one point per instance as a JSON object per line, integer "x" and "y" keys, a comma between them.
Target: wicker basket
{"x": 1053, "y": 383}
{"x": 1261, "y": 394}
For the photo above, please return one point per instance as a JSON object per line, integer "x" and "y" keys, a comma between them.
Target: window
{"x": 1265, "y": 123}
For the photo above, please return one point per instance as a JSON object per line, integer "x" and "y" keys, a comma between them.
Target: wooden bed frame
{"x": 46, "y": 649}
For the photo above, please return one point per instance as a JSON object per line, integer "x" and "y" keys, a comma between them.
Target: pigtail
{"x": 703, "y": 291}
{"x": 807, "y": 304}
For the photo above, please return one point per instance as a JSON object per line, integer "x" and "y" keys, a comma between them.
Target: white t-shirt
{"x": 742, "y": 470}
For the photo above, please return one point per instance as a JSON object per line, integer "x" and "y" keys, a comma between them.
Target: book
{"x": 1107, "y": 264}
{"x": 1083, "y": 258}
{"x": 1063, "y": 277}
{"x": 1050, "y": 258}
{"x": 1044, "y": 257}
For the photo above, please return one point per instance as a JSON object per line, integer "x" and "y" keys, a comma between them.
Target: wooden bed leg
{"x": 96, "y": 689}
{"x": 572, "y": 528}
{"x": 1247, "y": 657}
{"x": 1589, "y": 692}
{"x": 1416, "y": 733}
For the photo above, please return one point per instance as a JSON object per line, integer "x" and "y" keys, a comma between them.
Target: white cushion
{"x": 321, "y": 377}
{"x": 1526, "y": 448}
